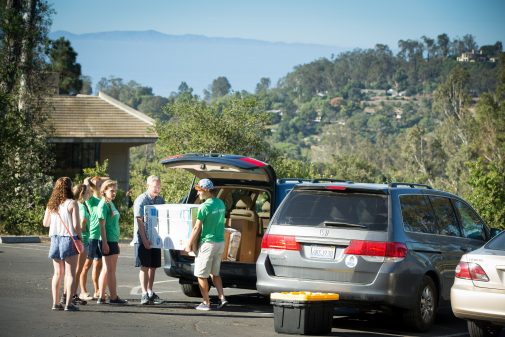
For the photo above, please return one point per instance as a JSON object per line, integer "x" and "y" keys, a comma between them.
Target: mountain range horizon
{"x": 162, "y": 61}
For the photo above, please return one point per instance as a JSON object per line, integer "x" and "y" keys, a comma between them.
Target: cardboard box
{"x": 169, "y": 226}
{"x": 303, "y": 312}
{"x": 231, "y": 244}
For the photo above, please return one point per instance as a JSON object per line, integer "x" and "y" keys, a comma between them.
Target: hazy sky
{"x": 349, "y": 23}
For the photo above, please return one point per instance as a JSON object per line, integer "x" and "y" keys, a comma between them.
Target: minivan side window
{"x": 473, "y": 227}
{"x": 417, "y": 214}
{"x": 446, "y": 220}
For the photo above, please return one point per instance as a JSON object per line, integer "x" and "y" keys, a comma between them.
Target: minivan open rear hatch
{"x": 223, "y": 167}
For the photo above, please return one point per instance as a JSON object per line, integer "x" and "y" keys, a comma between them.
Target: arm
{"x": 74, "y": 212}
{"x": 142, "y": 232}
{"x": 195, "y": 235}
{"x": 47, "y": 219}
{"x": 103, "y": 234}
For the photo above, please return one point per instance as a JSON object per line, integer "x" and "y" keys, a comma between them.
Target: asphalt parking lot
{"x": 25, "y": 302}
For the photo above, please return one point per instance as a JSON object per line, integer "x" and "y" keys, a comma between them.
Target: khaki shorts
{"x": 208, "y": 259}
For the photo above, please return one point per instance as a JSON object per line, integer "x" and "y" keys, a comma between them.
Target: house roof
{"x": 99, "y": 118}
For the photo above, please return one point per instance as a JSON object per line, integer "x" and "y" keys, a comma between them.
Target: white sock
{"x": 149, "y": 292}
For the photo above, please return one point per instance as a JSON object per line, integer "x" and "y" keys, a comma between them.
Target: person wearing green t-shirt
{"x": 209, "y": 233}
{"x": 108, "y": 217}
{"x": 94, "y": 253}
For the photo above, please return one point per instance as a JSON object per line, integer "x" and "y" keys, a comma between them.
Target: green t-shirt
{"x": 83, "y": 212}
{"x": 211, "y": 213}
{"x": 108, "y": 212}
{"x": 94, "y": 225}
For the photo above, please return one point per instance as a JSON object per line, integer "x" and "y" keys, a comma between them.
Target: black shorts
{"x": 113, "y": 248}
{"x": 94, "y": 252}
{"x": 149, "y": 258}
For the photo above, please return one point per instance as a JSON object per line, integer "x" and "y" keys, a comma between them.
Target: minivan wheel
{"x": 422, "y": 316}
{"x": 191, "y": 290}
{"x": 482, "y": 329}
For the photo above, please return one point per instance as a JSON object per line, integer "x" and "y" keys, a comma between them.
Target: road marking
{"x": 26, "y": 246}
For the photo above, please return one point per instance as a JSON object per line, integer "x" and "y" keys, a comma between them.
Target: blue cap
{"x": 205, "y": 185}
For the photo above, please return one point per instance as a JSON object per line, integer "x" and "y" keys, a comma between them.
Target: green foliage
{"x": 488, "y": 191}
{"x": 24, "y": 153}
{"x": 63, "y": 62}
{"x": 233, "y": 125}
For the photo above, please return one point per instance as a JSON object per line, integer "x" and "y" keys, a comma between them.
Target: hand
{"x": 188, "y": 248}
{"x": 105, "y": 247}
{"x": 147, "y": 244}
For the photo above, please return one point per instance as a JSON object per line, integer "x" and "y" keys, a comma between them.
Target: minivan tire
{"x": 191, "y": 290}
{"x": 482, "y": 329}
{"x": 422, "y": 316}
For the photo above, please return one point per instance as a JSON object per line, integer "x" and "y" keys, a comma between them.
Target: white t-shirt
{"x": 56, "y": 227}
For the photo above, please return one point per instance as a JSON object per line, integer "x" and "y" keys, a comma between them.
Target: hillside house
{"x": 88, "y": 129}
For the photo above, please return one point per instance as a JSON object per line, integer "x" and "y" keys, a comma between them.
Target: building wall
{"x": 118, "y": 155}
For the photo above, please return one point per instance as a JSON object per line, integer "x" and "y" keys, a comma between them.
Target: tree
{"x": 263, "y": 85}
{"x": 24, "y": 156}
{"x": 63, "y": 61}
{"x": 235, "y": 125}
{"x": 443, "y": 45}
{"x": 220, "y": 87}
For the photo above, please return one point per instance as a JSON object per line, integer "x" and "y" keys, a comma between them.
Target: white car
{"x": 478, "y": 293}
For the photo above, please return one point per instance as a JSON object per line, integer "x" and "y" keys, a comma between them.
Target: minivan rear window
{"x": 334, "y": 209}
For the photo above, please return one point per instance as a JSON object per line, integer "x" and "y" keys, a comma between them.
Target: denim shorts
{"x": 61, "y": 247}
{"x": 93, "y": 252}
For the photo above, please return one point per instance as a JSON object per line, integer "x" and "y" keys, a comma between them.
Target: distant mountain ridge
{"x": 163, "y": 61}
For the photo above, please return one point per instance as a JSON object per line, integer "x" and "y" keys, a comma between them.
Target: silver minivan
{"x": 382, "y": 246}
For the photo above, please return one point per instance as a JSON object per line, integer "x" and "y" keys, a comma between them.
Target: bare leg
{"x": 111, "y": 262}
{"x": 218, "y": 283}
{"x": 59, "y": 271}
{"x": 150, "y": 283}
{"x": 70, "y": 280}
{"x": 204, "y": 289}
{"x": 84, "y": 275}
{"x": 102, "y": 279}
{"x": 95, "y": 274}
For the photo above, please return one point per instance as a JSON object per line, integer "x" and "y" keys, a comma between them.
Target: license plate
{"x": 322, "y": 252}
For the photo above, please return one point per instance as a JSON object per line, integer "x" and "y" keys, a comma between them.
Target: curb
{"x": 19, "y": 239}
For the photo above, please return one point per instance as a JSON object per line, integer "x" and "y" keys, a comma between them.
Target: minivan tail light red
{"x": 282, "y": 242}
{"x": 376, "y": 248}
{"x": 471, "y": 271}
{"x": 336, "y": 188}
{"x": 253, "y": 161}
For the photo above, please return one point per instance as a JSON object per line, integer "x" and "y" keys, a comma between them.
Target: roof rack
{"x": 299, "y": 180}
{"x": 331, "y": 180}
{"x": 411, "y": 185}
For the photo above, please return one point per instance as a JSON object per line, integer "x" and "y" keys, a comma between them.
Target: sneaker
{"x": 85, "y": 297}
{"x": 222, "y": 304}
{"x": 71, "y": 307}
{"x": 58, "y": 306}
{"x": 145, "y": 300}
{"x": 76, "y": 300}
{"x": 101, "y": 301}
{"x": 118, "y": 301}
{"x": 63, "y": 299}
{"x": 155, "y": 299}
{"x": 202, "y": 306}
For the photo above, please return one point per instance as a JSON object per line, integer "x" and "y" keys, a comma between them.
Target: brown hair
{"x": 79, "y": 191}
{"x": 106, "y": 184}
{"x": 62, "y": 191}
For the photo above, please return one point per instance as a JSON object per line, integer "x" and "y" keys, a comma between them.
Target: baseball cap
{"x": 204, "y": 185}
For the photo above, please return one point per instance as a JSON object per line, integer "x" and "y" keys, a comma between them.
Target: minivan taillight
{"x": 471, "y": 271}
{"x": 283, "y": 242}
{"x": 377, "y": 248}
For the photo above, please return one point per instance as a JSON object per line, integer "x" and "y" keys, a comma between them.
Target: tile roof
{"x": 98, "y": 118}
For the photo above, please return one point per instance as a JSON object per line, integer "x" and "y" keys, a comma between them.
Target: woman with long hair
{"x": 62, "y": 218}
{"x": 108, "y": 216}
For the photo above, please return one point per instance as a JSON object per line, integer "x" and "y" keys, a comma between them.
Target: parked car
{"x": 251, "y": 192}
{"x": 478, "y": 293}
{"x": 381, "y": 246}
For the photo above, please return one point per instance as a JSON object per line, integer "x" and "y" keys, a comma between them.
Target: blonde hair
{"x": 106, "y": 184}
{"x": 79, "y": 192}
